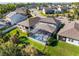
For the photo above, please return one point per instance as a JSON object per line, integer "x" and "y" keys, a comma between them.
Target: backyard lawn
{"x": 62, "y": 49}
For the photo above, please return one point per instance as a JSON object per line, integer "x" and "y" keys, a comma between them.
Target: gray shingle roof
{"x": 11, "y": 14}
{"x": 70, "y": 30}
{"x": 30, "y": 22}
{"x": 46, "y": 27}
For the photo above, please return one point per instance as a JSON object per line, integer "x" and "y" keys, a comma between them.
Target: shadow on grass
{"x": 40, "y": 53}
{"x": 55, "y": 43}
{"x": 23, "y": 40}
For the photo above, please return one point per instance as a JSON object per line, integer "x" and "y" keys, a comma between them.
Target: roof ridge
{"x": 61, "y": 30}
{"x": 66, "y": 30}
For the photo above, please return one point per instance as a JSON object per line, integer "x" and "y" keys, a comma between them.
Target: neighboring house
{"x": 70, "y": 33}
{"x": 52, "y": 10}
{"x": 40, "y": 7}
{"x": 48, "y": 11}
{"x": 40, "y": 28}
{"x": 14, "y": 18}
{"x": 22, "y": 10}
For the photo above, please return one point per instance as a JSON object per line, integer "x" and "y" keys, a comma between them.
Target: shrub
{"x": 52, "y": 41}
{"x": 6, "y": 38}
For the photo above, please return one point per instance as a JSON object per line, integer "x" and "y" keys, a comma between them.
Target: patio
{"x": 40, "y": 35}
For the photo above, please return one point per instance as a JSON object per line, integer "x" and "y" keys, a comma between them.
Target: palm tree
{"x": 15, "y": 38}
{"x": 9, "y": 49}
{"x": 29, "y": 50}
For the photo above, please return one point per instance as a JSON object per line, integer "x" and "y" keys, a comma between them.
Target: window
{"x": 78, "y": 42}
{"x": 64, "y": 38}
{"x": 31, "y": 27}
{"x": 71, "y": 40}
{"x": 68, "y": 39}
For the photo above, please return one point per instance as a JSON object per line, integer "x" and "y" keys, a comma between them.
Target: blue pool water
{"x": 38, "y": 37}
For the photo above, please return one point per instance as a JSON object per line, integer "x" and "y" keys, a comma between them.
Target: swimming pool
{"x": 39, "y": 37}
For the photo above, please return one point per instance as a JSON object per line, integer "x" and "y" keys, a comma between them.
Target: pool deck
{"x": 37, "y": 41}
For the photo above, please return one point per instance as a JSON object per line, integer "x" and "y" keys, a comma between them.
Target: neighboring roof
{"x": 63, "y": 19}
{"x": 70, "y": 30}
{"x": 30, "y": 22}
{"x": 11, "y": 14}
{"x": 48, "y": 8}
{"x": 21, "y": 10}
{"x": 18, "y": 17}
{"x": 46, "y": 27}
{"x": 15, "y": 17}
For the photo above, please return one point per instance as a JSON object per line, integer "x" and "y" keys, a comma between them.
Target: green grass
{"x": 13, "y": 32}
{"x": 62, "y": 49}
{"x": 37, "y": 45}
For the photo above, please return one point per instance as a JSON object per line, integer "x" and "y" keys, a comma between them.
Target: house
{"x": 70, "y": 33}
{"x": 14, "y": 18}
{"x": 40, "y": 29}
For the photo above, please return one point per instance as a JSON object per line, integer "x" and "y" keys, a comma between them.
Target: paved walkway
{"x": 30, "y": 38}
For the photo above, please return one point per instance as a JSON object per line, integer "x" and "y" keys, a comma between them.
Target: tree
{"x": 17, "y": 33}
{"x": 52, "y": 41}
{"x": 1, "y": 34}
{"x": 6, "y": 37}
{"x": 29, "y": 51}
{"x": 4, "y": 8}
{"x": 1, "y": 41}
{"x": 15, "y": 38}
{"x": 9, "y": 49}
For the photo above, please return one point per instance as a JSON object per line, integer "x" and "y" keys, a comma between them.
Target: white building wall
{"x": 75, "y": 42}
{"x": 44, "y": 11}
{"x": 7, "y": 19}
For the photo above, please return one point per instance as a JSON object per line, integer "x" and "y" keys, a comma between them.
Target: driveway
{"x": 36, "y": 13}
